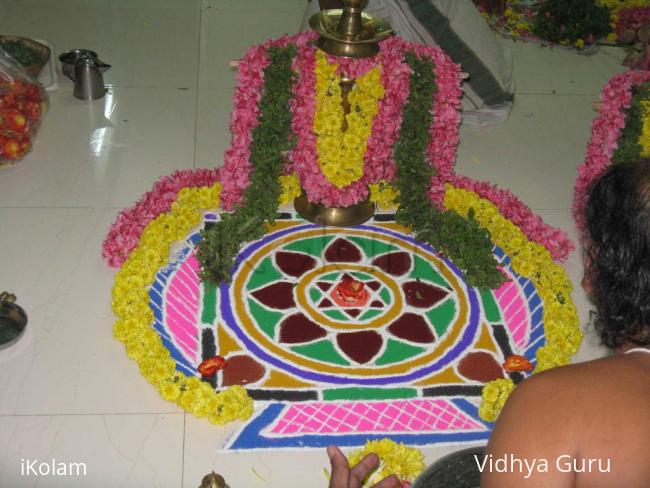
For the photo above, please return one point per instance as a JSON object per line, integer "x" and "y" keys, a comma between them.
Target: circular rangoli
{"x": 335, "y": 327}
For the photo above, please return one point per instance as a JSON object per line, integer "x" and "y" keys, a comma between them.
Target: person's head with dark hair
{"x": 617, "y": 258}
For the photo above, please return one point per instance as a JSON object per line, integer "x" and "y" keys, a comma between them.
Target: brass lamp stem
{"x": 350, "y": 23}
{"x": 346, "y": 87}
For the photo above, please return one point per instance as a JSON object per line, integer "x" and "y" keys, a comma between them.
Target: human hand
{"x": 344, "y": 477}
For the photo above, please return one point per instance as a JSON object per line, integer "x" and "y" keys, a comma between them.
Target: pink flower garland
{"x": 379, "y": 162}
{"x": 553, "y": 239}
{"x": 605, "y": 131}
{"x": 304, "y": 157}
{"x": 395, "y": 74}
{"x": 125, "y": 232}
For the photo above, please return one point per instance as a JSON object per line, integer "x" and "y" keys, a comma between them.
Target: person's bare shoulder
{"x": 587, "y": 410}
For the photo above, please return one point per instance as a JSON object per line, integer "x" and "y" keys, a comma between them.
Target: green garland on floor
{"x": 629, "y": 149}
{"x": 271, "y": 138}
{"x": 462, "y": 240}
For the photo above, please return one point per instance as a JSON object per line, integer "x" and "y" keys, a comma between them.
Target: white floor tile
{"x": 212, "y": 126}
{"x": 547, "y": 70}
{"x": 70, "y": 363}
{"x": 5, "y": 8}
{"x": 131, "y": 451}
{"x": 148, "y": 42}
{"x": 222, "y": 40}
{"x": 267, "y": 468}
{"x": 106, "y": 152}
{"x": 536, "y": 152}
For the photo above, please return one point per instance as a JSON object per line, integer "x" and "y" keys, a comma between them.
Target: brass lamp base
{"x": 349, "y": 32}
{"x": 334, "y": 216}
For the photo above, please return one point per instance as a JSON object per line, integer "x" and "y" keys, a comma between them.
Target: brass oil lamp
{"x": 348, "y": 32}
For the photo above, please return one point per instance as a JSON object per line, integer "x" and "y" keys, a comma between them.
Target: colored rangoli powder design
{"x": 345, "y": 335}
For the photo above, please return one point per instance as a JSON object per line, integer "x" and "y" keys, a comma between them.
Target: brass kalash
{"x": 351, "y": 33}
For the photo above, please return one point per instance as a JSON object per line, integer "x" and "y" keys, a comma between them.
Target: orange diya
{"x": 517, "y": 363}
{"x": 350, "y": 292}
{"x": 210, "y": 366}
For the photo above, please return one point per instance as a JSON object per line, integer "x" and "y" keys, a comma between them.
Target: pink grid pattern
{"x": 181, "y": 307}
{"x": 514, "y": 308}
{"x": 370, "y": 417}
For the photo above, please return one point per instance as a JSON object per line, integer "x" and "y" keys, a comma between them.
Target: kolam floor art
{"x": 406, "y": 359}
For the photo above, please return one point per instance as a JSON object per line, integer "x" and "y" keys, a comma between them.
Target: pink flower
{"x": 605, "y": 131}
{"x": 125, "y": 232}
{"x": 553, "y": 239}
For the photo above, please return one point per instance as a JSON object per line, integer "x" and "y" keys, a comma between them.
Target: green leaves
{"x": 271, "y": 138}
{"x": 628, "y": 147}
{"x": 462, "y": 240}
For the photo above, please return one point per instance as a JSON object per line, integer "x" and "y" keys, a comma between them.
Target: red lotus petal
{"x": 394, "y": 263}
{"x": 423, "y": 295}
{"x": 412, "y": 327}
{"x": 298, "y": 329}
{"x": 362, "y": 346}
{"x": 278, "y": 296}
{"x": 294, "y": 263}
{"x": 342, "y": 251}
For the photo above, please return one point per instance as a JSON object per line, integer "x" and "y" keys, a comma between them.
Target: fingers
{"x": 390, "y": 482}
{"x": 361, "y": 471}
{"x": 340, "y": 472}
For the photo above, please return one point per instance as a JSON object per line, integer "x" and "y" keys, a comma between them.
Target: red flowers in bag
{"x": 22, "y": 105}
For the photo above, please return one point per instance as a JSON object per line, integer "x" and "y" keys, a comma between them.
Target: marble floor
{"x": 67, "y": 390}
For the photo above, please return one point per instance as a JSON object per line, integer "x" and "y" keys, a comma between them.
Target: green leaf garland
{"x": 628, "y": 147}
{"x": 271, "y": 138}
{"x": 466, "y": 243}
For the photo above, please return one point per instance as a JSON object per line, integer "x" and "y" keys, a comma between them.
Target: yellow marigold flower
{"x": 561, "y": 325}
{"x": 644, "y": 139}
{"x": 383, "y": 194}
{"x": 580, "y": 43}
{"x": 394, "y": 458}
{"x": 290, "y": 188}
{"x": 494, "y": 397}
{"x": 170, "y": 391}
{"x": 341, "y": 153}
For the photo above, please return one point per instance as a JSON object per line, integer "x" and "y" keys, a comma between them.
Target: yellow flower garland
{"x": 290, "y": 189}
{"x": 134, "y": 317}
{"x": 532, "y": 260}
{"x": 403, "y": 461}
{"x": 341, "y": 153}
{"x": 383, "y": 194}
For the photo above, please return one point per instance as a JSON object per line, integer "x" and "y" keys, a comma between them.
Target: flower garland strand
{"x": 271, "y": 138}
{"x": 605, "y": 132}
{"x": 461, "y": 239}
{"x": 394, "y": 459}
{"x": 532, "y": 225}
{"x": 533, "y": 261}
{"x": 304, "y": 156}
{"x": 134, "y": 316}
{"x": 341, "y": 152}
{"x": 629, "y": 145}
{"x": 125, "y": 232}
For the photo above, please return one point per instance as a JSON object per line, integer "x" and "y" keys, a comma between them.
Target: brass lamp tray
{"x": 373, "y": 28}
